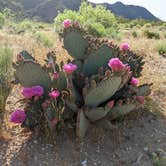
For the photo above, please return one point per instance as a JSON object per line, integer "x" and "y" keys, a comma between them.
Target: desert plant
{"x": 94, "y": 19}
{"x": 161, "y": 48}
{"x": 2, "y": 20}
{"x": 5, "y": 74}
{"x": 97, "y": 86}
{"x": 134, "y": 34}
{"x": 151, "y": 35}
{"x": 44, "y": 39}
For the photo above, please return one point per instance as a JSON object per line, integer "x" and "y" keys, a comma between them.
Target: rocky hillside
{"x": 46, "y": 10}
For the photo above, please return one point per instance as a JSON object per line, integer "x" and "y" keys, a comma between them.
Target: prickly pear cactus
{"x": 98, "y": 85}
{"x": 106, "y": 93}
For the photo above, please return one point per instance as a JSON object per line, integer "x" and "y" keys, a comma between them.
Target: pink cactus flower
{"x": 141, "y": 99}
{"x": 54, "y": 94}
{"x": 111, "y": 104}
{"x": 37, "y": 91}
{"x": 134, "y": 81}
{"x": 56, "y": 75}
{"x": 124, "y": 46}
{"x": 27, "y": 93}
{"x": 69, "y": 68}
{"x": 116, "y": 65}
{"x": 18, "y": 116}
{"x": 67, "y": 23}
{"x": 20, "y": 57}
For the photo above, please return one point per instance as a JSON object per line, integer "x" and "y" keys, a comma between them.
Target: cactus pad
{"x": 75, "y": 44}
{"x": 96, "y": 113}
{"x": 82, "y": 124}
{"x": 121, "y": 110}
{"x": 30, "y": 74}
{"x": 103, "y": 91}
{"x": 97, "y": 59}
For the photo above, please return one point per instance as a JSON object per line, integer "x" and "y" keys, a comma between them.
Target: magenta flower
{"x": 134, "y": 81}
{"x": 56, "y": 75}
{"x": 67, "y": 23}
{"x": 27, "y": 93}
{"x": 18, "y": 116}
{"x": 20, "y": 57}
{"x": 116, "y": 65}
{"x": 54, "y": 94}
{"x": 141, "y": 99}
{"x": 37, "y": 91}
{"x": 124, "y": 46}
{"x": 111, "y": 104}
{"x": 69, "y": 68}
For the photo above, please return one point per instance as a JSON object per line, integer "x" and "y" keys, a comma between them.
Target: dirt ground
{"x": 139, "y": 141}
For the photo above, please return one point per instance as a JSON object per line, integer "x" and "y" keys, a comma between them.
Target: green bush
{"x": 2, "y": 20}
{"x": 6, "y": 55}
{"x": 148, "y": 25}
{"x": 161, "y": 47}
{"x": 94, "y": 19}
{"x": 44, "y": 39}
{"x": 134, "y": 34}
{"x": 151, "y": 35}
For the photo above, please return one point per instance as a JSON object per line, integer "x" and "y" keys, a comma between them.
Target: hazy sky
{"x": 156, "y": 7}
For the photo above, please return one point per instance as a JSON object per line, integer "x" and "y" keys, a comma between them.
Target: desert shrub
{"x": 151, "y": 35}
{"x": 161, "y": 47}
{"x": 5, "y": 74}
{"x": 2, "y": 20}
{"x": 44, "y": 39}
{"x": 94, "y": 19}
{"x": 134, "y": 34}
{"x": 97, "y": 29}
{"x": 97, "y": 86}
{"x": 148, "y": 25}
{"x": 25, "y": 25}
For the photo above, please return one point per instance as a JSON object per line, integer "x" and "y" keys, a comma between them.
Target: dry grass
{"x": 154, "y": 69}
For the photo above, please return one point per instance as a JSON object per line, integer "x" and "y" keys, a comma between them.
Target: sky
{"x": 156, "y": 7}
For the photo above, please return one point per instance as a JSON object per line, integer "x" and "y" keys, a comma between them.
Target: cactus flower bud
{"x": 141, "y": 99}
{"x": 54, "y": 94}
{"x": 111, "y": 104}
{"x": 56, "y": 75}
{"x": 67, "y": 23}
{"x": 134, "y": 81}
{"x": 124, "y": 46}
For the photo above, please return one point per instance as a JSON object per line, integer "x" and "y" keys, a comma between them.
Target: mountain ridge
{"x": 46, "y": 10}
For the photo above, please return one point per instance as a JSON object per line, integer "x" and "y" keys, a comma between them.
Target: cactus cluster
{"x": 93, "y": 92}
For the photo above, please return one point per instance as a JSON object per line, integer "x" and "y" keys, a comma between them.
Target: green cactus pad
{"x": 29, "y": 73}
{"x": 82, "y": 124}
{"x": 144, "y": 90}
{"x": 122, "y": 110}
{"x": 26, "y": 55}
{"x": 96, "y": 113}
{"x": 75, "y": 44}
{"x": 103, "y": 91}
{"x": 97, "y": 59}
{"x": 61, "y": 82}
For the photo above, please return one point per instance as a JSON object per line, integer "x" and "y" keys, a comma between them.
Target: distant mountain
{"x": 130, "y": 11}
{"x": 46, "y": 10}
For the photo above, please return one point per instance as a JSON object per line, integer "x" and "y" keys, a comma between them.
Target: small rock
{"x": 35, "y": 141}
{"x": 146, "y": 149}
